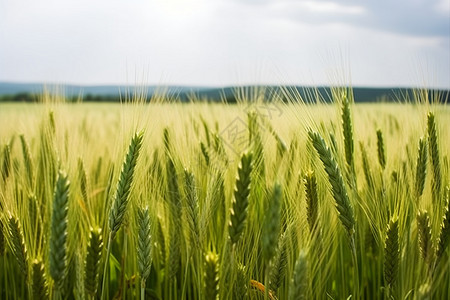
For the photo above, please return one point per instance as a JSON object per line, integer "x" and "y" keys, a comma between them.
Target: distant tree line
{"x": 228, "y": 95}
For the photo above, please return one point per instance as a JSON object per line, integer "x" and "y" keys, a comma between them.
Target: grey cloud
{"x": 416, "y": 18}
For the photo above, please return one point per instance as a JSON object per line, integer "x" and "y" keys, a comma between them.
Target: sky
{"x": 383, "y": 43}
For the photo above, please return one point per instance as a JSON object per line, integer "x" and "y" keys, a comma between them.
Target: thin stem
{"x": 355, "y": 266}
{"x": 108, "y": 251}
{"x": 142, "y": 289}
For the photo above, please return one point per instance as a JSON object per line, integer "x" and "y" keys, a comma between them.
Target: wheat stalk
{"x": 6, "y": 165}
{"x": 238, "y": 214}
{"x": 312, "y": 200}
{"x": 434, "y": 154}
{"x": 39, "y": 284}
{"x": 347, "y": 129}
{"x": 366, "y": 165}
{"x": 121, "y": 197}
{"x": 17, "y": 244}
{"x": 391, "y": 254}
{"x": 240, "y": 287}
{"x": 211, "y": 276}
{"x": 93, "y": 261}
{"x": 421, "y": 169}
{"x": 424, "y": 233}
{"x": 343, "y": 205}
{"x": 28, "y": 161}
{"x": 279, "y": 263}
{"x": 174, "y": 251}
{"x": 83, "y": 180}
{"x": 58, "y": 234}
{"x": 444, "y": 235}
{"x": 298, "y": 289}
{"x": 192, "y": 208}
{"x": 205, "y": 153}
{"x": 380, "y": 149}
{"x": 271, "y": 226}
{"x": 160, "y": 240}
{"x": 144, "y": 246}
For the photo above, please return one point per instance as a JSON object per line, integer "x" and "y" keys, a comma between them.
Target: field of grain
{"x": 259, "y": 200}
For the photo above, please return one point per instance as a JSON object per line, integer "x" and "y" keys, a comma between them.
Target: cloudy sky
{"x": 224, "y": 42}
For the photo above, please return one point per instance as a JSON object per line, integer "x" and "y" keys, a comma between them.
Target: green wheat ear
{"x": 380, "y": 149}
{"x": 144, "y": 247}
{"x": 93, "y": 261}
{"x": 240, "y": 287}
{"x": 421, "y": 169}
{"x": 211, "y": 276}
{"x": 6, "y": 165}
{"x": 58, "y": 233}
{"x": 120, "y": 202}
{"x": 366, "y": 165}
{"x": 271, "y": 226}
{"x": 299, "y": 284}
{"x": 312, "y": 200}
{"x": 391, "y": 254}
{"x": 347, "y": 128}
{"x": 39, "y": 284}
{"x": 83, "y": 180}
{"x": 279, "y": 263}
{"x": 444, "y": 236}
{"x": 28, "y": 161}
{"x": 17, "y": 244}
{"x": 343, "y": 205}
{"x": 424, "y": 233}
{"x": 239, "y": 207}
{"x": 192, "y": 208}
{"x": 434, "y": 154}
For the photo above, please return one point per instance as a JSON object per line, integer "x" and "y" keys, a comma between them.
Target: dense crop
{"x": 259, "y": 200}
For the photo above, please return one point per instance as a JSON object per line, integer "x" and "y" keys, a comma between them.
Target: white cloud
{"x": 331, "y": 7}
{"x": 214, "y": 42}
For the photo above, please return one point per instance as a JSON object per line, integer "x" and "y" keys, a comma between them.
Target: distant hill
{"x": 27, "y": 92}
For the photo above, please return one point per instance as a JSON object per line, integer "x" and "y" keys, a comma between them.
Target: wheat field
{"x": 258, "y": 200}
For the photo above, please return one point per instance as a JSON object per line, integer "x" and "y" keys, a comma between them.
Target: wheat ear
{"x": 298, "y": 289}
{"x": 27, "y": 161}
{"x": 6, "y": 165}
{"x": 58, "y": 233}
{"x": 279, "y": 263}
{"x": 192, "y": 208}
{"x": 343, "y": 205}
{"x": 347, "y": 129}
{"x": 144, "y": 247}
{"x": 121, "y": 197}
{"x": 434, "y": 154}
{"x": 211, "y": 276}
{"x": 271, "y": 226}
{"x": 391, "y": 254}
{"x": 312, "y": 200}
{"x": 17, "y": 245}
{"x": 39, "y": 285}
{"x": 444, "y": 235}
{"x": 421, "y": 169}
{"x": 120, "y": 201}
{"x": 83, "y": 180}
{"x": 93, "y": 261}
{"x": 366, "y": 165}
{"x": 380, "y": 149}
{"x": 238, "y": 214}
{"x": 424, "y": 233}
